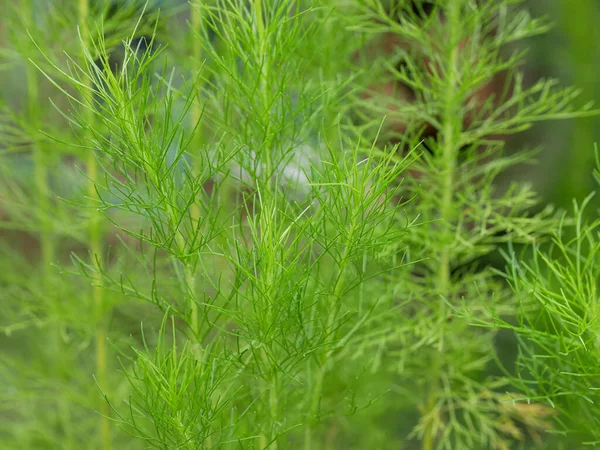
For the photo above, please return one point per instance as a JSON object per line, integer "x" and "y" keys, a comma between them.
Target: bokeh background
{"x": 570, "y": 52}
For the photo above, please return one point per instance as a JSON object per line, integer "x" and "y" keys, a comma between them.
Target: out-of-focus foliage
{"x": 569, "y": 51}
{"x": 264, "y": 225}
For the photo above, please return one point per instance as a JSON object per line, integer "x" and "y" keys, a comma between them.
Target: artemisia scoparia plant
{"x": 280, "y": 215}
{"x": 448, "y": 75}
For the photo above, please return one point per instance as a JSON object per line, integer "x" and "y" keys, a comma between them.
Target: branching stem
{"x": 268, "y": 196}
{"x": 452, "y": 125}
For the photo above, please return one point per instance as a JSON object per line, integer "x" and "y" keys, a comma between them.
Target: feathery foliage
{"x": 269, "y": 224}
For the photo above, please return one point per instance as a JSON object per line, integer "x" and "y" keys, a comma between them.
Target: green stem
{"x": 314, "y": 404}
{"x": 268, "y": 198}
{"x": 264, "y": 439}
{"x": 273, "y": 407}
{"x": 196, "y": 109}
{"x": 340, "y": 285}
{"x": 195, "y": 211}
{"x": 40, "y": 162}
{"x": 47, "y": 246}
{"x": 95, "y": 247}
{"x": 189, "y": 272}
{"x": 269, "y": 240}
{"x": 190, "y": 281}
{"x": 452, "y": 125}
{"x": 264, "y": 89}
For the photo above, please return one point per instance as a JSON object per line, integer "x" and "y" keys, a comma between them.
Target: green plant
{"x": 295, "y": 246}
{"x": 447, "y": 60}
{"x": 556, "y": 325}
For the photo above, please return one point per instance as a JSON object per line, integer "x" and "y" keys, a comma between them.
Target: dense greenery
{"x": 270, "y": 224}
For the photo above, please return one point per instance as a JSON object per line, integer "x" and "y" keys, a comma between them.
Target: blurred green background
{"x": 570, "y": 52}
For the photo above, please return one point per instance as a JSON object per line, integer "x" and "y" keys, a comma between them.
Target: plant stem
{"x": 264, "y": 89}
{"x": 47, "y": 246}
{"x": 452, "y": 125}
{"x": 273, "y": 409}
{"x": 40, "y": 163}
{"x": 196, "y": 112}
{"x": 190, "y": 281}
{"x": 318, "y": 387}
{"x": 340, "y": 284}
{"x": 268, "y": 198}
{"x": 95, "y": 247}
{"x": 188, "y": 268}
